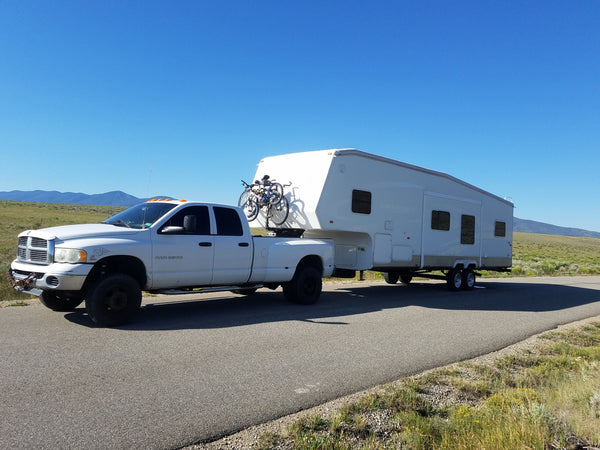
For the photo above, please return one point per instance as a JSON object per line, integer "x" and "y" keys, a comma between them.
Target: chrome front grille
{"x": 35, "y": 250}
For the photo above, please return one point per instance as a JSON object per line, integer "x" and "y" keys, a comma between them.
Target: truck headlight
{"x": 69, "y": 255}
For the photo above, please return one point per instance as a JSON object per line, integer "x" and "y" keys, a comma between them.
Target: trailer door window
{"x": 440, "y": 220}
{"x": 361, "y": 202}
{"x": 500, "y": 229}
{"x": 467, "y": 230}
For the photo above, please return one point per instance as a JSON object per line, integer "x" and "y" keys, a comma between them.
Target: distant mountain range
{"x": 119, "y": 198}
{"x": 114, "y": 198}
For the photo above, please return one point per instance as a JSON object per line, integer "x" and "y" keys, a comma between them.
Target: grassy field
{"x": 544, "y": 397}
{"x": 533, "y": 254}
{"x": 20, "y": 216}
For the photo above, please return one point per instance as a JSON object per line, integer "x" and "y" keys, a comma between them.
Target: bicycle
{"x": 267, "y": 194}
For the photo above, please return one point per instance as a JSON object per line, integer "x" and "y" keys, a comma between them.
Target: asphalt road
{"x": 186, "y": 371}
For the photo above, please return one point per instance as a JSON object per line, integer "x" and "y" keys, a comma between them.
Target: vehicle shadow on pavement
{"x": 336, "y": 303}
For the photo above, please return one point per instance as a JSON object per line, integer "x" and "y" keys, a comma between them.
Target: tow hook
{"x": 23, "y": 284}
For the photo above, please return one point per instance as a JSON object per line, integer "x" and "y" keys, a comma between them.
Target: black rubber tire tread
{"x": 454, "y": 279}
{"x": 468, "y": 279}
{"x": 60, "y": 303}
{"x": 391, "y": 277}
{"x": 114, "y": 300}
{"x": 251, "y": 210}
{"x": 278, "y": 188}
{"x": 306, "y": 286}
{"x": 406, "y": 278}
{"x": 278, "y": 213}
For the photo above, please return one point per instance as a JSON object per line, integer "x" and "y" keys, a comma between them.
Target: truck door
{"x": 183, "y": 250}
{"x": 233, "y": 248}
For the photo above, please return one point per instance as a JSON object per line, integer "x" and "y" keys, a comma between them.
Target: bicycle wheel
{"x": 278, "y": 213}
{"x": 244, "y": 198}
{"x": 276, "y": 193}
{"x": 251, "y": 209}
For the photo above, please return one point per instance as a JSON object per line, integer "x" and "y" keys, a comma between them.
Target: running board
{"x": 205, "y": 290}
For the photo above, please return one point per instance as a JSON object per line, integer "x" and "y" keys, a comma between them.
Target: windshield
{"x": 140, "y": 216}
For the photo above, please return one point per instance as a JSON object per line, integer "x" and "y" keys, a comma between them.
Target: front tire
{"x": 114, "y": 300}
{"x": 59, "y": 302}
{"x": 391, "y": 277}
{"x": 455, "y": 279}
{"x": 306, "y": 286}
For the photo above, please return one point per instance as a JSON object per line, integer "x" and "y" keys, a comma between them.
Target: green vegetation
{"x": 549, "y": 255}
{"x": 20, "y": 216}
{"x": 533, "y": 254}
{"x": 545, "y": 398}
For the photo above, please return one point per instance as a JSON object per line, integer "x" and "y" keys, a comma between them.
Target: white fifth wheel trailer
{"x": 391, "y": 216}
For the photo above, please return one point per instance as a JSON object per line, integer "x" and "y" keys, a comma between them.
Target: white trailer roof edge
{"x": 352, "y": 151}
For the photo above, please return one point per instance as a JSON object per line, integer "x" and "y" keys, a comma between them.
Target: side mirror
{"x": 172, "y": 230}
{"x": 189, "y": 224}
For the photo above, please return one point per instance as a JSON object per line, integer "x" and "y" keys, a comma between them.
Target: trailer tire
{"x": 468, "y": 279}
{"x": 391, "y": 277}
{"x": 455, "y": 279}
{"x": 60, "y": 303}
{"x": 305, "y": 288}
{"x": 113, "y": 300}
{"x": 406, "y": 278}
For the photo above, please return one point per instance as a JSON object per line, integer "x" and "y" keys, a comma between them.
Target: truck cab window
{"x": 228, "y": 222}
{"x": 197, "y": 222}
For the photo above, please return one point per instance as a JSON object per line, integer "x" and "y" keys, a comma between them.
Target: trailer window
{"x": 467, "y": 230}
{"x": 500, "y": 229}
{"x": 361, "y": 202}
{"x": 440, "y": 220}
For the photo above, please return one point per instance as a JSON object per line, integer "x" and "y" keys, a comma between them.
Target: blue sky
{"x": 183, "y": 98}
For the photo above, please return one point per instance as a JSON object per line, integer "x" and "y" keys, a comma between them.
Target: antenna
{"x": 149, "y": 181}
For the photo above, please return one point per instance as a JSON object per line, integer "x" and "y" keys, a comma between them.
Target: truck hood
{"x": 80, "y": 231}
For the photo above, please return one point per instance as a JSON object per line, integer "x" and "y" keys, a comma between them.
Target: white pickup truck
{"x": 163, "y": 246}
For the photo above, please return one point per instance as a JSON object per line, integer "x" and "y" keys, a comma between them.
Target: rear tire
{"x": 306, "y": 286}
{"x": 455, "y": 279}
{"x": 468, "y": 279}
{"x": 406, "y": 278}
{"x": 58, "y": 302}
{"x": 114, "y": 300}
{"x": 391, "y": 277}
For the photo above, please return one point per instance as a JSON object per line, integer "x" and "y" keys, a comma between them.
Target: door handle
{"x": 205, "y": 244}
{"x": 244, "y": 244}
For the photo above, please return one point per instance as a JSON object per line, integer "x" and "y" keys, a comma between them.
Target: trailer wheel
{"x": 391, "y": 277}
{"x": 468, "y": 279}
{"x": 455, "y": 279}
{"x": 305, "y": 288}
{"x": 113, "y": 300}
{"x": 61, "y": 303}
{"x": 406, "y": 278}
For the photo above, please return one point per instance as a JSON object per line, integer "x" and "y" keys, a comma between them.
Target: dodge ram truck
{"x": 168, "y": 246}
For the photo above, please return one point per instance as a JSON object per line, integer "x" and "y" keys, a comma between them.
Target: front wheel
{"x": 391, "y": 277}
{"x": 60, "y": 302}
{"x": 113, "y": 300}
{"x": 279, "y": 213}
{"x": 455, "y": 279}
{"x": 305, "y": 288}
